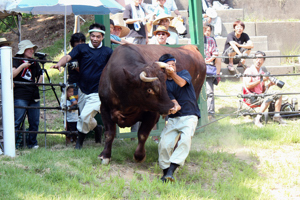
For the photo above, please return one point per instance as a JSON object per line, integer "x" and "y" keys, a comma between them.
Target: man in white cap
{"x": 92, "y": 59}
{"x": 26, "y": 95}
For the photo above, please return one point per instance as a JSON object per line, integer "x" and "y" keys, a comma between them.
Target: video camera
{"x": 279, "y": 83}
{"x": 73, "y": 65}
{"x": 41, "y": 56}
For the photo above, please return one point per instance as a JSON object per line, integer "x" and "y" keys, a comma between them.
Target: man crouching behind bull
{"x": 92, "y": 59}
{"x": 177, "y": 135}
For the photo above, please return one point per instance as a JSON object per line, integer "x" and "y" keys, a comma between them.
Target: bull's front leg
{"x": 148, "y": 122}
{"x": 110, "y": 133}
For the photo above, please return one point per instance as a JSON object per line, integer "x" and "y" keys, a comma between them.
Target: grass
{"x": 231, "y": 159}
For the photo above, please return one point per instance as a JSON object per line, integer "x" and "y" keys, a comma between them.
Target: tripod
{"x": 44, "y": 71}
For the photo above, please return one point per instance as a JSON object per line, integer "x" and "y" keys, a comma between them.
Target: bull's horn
{"x": 162, "y": 64}
{"x": 147, "y": 79}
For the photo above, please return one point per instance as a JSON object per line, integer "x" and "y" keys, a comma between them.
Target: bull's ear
{"x": 128, "y": 75}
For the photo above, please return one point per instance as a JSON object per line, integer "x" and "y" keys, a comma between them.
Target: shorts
{"x": 231, "y": 50}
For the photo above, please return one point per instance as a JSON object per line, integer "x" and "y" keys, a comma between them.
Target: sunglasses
{"x": 161, "y": 33}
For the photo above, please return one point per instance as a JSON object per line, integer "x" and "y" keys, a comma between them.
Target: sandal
{"x": 230, "y": 68}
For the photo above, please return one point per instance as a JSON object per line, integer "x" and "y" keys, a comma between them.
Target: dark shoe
{"x": 98, "y": 133}
{"x": 230, "y": 68}
{"x": 171, "y": 170}
{"x": 163, "y": 177}
{"x": 80, "y": 140}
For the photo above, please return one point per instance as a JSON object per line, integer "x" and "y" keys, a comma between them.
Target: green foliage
{"x": 12, "y": 22}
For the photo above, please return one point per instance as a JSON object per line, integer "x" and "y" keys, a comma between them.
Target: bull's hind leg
{"x": 148, "y": 122}
{"x": 110, "y": 133}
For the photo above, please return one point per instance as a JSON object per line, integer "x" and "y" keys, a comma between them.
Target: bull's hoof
{"x": 104, "y": 161}
{"x": 139, "y": 161}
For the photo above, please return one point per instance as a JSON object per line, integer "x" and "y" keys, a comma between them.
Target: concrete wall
{"x": 259, "y": 9}
{"x": 269, "y": 9}
{"x": 281, "y": 35}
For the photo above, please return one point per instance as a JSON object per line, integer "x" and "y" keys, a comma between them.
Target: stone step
{"x": 259, "y": 42}
{"x": 268, "y": 61}
{"x": 231, "y": 15}
{"x": 250, "y": 28}
{"x": 282, "y": 69}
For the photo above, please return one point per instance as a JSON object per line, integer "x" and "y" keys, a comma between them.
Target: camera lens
{"x": 280, "y": 83}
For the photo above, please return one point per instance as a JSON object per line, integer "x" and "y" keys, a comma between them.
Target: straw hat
{"x": 25, "y": 44}
{"x": 161, "y": 29}
{"x": 162, "y": 16}
{"x": 4, "y": 41}
{"x": 125, "y": 31}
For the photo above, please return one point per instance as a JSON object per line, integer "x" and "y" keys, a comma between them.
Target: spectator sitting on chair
{"x": 165, "y": 20}
{"x": 213, "y": 66}
{"x": 160, "y": 36}
{"x": 257, "y": 86}
{"x": 27, "y": 95}
{"x": 237, "y": 43}
{"x": 92, "y": 59}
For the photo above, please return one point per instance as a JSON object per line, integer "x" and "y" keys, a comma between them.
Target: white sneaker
{"x": 257, "y": 122}
{"x": 279, "y": 120}
{"x": 1, "y": 152}
{"x": 35, "y": 147}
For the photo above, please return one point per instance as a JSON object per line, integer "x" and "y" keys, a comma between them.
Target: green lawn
{"x": 231, "y": 159}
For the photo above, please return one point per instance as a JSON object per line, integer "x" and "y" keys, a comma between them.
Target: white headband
{"x": 97, "y": 30}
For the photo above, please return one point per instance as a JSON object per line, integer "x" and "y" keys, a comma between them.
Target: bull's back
{"x": 187, "y": 57}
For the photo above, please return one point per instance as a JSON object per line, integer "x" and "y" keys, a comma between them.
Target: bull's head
{"x": 149, "y": 88}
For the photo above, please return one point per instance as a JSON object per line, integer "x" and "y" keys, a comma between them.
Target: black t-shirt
{"x": 128, "y": 15}
{"x": 231, "y": 37}
{"x": 91, "y": 64}
{"x": 30, "y": 74}
{"x": 185, "y": 96}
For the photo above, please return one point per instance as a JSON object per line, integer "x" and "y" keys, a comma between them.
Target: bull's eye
{"x": 150, "y": 91}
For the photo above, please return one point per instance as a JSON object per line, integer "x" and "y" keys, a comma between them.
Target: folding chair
{"x": 250, "y": 109}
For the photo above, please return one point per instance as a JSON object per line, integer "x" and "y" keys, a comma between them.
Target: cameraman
{"x": 254, "y": 85}
{"x": 27, "y": 95}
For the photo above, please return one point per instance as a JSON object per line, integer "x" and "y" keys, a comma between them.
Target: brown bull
{"x": 133, "y": 88}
